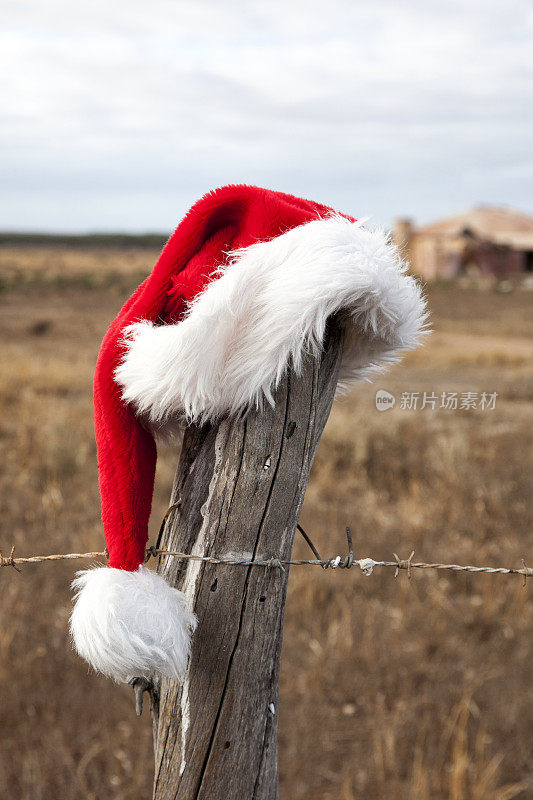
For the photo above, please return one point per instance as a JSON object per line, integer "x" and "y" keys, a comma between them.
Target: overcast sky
{"x": 119, "y": 115}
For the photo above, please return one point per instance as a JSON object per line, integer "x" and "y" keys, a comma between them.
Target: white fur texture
{"x": 269, "y": 307}
{"x": 131, "y": 624}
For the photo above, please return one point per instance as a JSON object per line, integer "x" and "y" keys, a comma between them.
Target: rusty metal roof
{"x": 498, "y": 224}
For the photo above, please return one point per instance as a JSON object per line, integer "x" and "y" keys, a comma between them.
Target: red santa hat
{"x": 243, "y": 288}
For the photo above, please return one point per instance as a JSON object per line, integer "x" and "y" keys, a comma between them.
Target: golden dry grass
{"x": 415, "y": 690}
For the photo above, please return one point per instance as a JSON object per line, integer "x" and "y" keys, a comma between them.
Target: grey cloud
{"x": 123, "y": 114}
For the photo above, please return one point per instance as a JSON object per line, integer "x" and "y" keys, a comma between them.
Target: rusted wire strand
{"x": 342, "y": 562}
{"x": 367, "y": 565}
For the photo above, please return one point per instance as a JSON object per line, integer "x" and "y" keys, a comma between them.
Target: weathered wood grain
{"x": 241, "y": 485}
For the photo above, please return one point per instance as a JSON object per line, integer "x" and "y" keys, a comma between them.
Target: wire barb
{"x": 9, "y": 561}
{"x": 404, "y": 564}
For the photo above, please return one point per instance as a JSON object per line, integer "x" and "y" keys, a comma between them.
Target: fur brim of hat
{"x": 266, "y": 309}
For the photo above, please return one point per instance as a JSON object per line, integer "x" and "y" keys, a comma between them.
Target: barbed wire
{"x": 366, "y": 565}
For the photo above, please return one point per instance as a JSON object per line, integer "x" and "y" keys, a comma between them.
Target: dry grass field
{"x": 390, "y": 690}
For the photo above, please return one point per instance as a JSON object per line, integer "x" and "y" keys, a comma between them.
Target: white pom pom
{"x": 131, "y": 624}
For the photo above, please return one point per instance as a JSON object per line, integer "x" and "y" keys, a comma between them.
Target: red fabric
{"x": 228, "y": 218}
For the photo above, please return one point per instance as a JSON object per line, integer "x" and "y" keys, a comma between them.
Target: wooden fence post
{"x": 240, "y": 485}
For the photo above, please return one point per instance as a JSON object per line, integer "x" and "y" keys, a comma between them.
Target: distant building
{"x": 483, "y": 242}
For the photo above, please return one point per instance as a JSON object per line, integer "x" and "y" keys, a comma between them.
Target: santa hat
{"x": 243, "y": 288}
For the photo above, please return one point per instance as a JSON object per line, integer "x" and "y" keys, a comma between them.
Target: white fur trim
{"x": 131, "y": 624}
{"x": 269, "y": 306}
